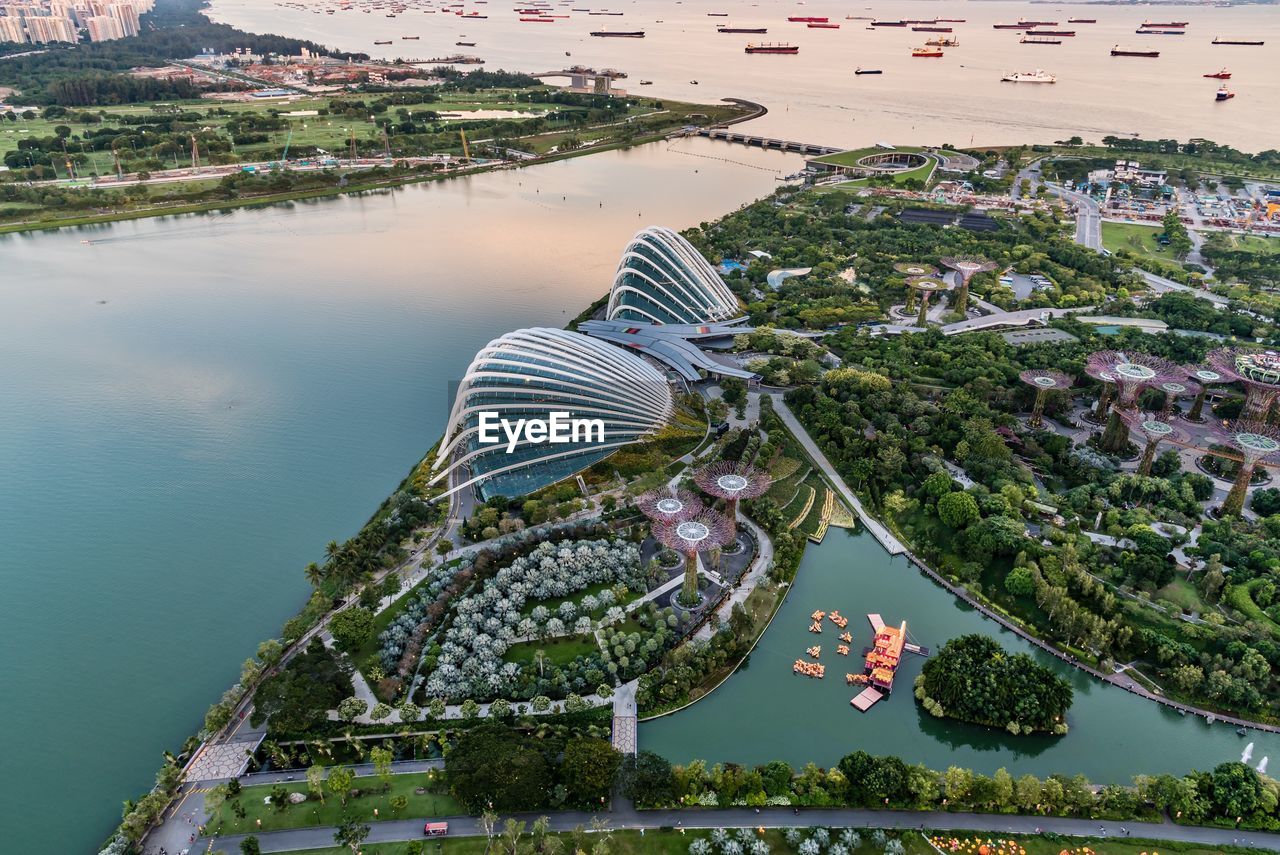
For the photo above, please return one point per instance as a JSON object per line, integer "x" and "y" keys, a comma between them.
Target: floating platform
{"x": 877, "y": 622}
{"x": 866, "y": 699}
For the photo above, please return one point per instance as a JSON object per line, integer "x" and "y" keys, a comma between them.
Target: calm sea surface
{"x": 191, "y": 407}
{"x": 814, "y": 96}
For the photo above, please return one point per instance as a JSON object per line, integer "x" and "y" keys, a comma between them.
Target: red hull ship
{"x": 796, "y": 19}
{"x": 1220, "y": 75}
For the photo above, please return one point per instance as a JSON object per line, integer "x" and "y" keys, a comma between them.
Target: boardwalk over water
{"x": 765, "y": 142}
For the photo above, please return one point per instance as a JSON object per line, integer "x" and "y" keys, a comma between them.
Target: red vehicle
{"x": 435, "y": 829}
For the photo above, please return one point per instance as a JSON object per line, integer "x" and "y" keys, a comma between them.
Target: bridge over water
{"x": 764, "y": 142}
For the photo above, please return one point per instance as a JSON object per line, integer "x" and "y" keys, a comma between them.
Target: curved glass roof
{"x": 662, "y": 279}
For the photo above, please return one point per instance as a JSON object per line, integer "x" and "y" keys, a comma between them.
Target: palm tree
{"x": 315, "y": 574}
{"x": 540, "y": 656}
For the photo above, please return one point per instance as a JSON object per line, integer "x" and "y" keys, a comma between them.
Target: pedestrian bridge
{"x": 765, "y": 142}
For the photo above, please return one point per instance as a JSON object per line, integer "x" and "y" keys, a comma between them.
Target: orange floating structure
{"x": 885, "y": 654}
{"x": 816, "y": 626}
{"x": 815, "y": 651}
{"x": 846, "y": 637}
{"x": 842, "y": 649}
{"x": 809, "y": 669}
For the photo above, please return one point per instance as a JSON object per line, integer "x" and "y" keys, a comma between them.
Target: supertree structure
{"x": 1175, "y": 389}
{"x": 1258, "y": 370}
{"x": 1256, "y": 441}
{"x": 690, "y": 536}
{"x": 925, "y": 286}
{"x": 1044, "y": 381}
{"x": 1105, "y": 396}
{"x": 1130, "y": 373}
{"x": 1205, "y": 378}
{"x": 967, "y": 266}
{"x": 732, "y": 481}
{"x": 1155, "y": 429}
{"x": 670, "y": 504}
{"x": 910, "y": 269}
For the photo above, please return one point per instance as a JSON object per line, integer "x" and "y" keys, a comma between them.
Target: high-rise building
{"x": 43, "y": 30}
{"x": 11, "y": 30}
{"x": 103, "y": 28}
{"x": 127, "y": 15}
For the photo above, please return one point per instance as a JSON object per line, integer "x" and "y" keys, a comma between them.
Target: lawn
{"x": 330, "y": 812}
{"x": 851, "y": 158}
{"x": 1139, "y": 240}
{"x": 560, "y": 651}
{"x": 1181, "y": 592}
{"x": 1253, "y": 243}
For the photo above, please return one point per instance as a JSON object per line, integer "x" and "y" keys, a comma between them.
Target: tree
{"x": 298, "y": 697}
{"x": 958, "y": 510}
{"x": 491, "y": 765}
{"x": 315, "y": 781}
{"x": 352, "y": 708}
{"x": 380, "y": 711}
{"x": 1236, "y": 790}
{"x": 250, "y": 846}
{"x": 339, "y": 782}
{"x": 646, "y": 779}
{"x": 1019, "y": 582}
{"x": 381, "y": 758}
{"x": 351, "y": 628}
{"x": 351, "y": 833}
{"x": 469, "y": 709}
{"x": 588, "y": 769}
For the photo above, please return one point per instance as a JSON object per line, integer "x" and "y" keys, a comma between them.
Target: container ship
{"x": 1218, "y": 41}
{"x": 799, "y": 19}
{"x": 618, "y": 34}
{"x": 742, "y": 29}
{"x": 924, "y": 52}
{"x": 1119, "y": 51}
{"x": 1037, "y": 76}
{"x": 772, "y": 48}
{"x": 1224, "y": 93}
{"x": 1220, "y": 75}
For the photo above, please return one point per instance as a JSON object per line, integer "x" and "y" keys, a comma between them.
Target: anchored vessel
{"x": 1037, "y": 76}
{"x": 867, "y": 71}
{"x": 1220, "y": 75}
{"x": 1218, "y": 41}
{"x": 1224, "y": 93}
{"x": 742, "y": 29}
{"x": 921, "y": 52}
{"x": 1119, "y": 51}
{"x": 618, "y": 34}
{"x": 772, "y": 48}
{"x": 1039, "y": 40}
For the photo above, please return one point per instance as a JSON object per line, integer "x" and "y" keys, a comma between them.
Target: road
{"x": 625, "y": 817}
{"x": 1088, "y": 216}
{"x": 1160, "y": 285}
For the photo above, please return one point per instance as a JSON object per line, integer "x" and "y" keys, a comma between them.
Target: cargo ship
{"x": 742, "y": 29}
{"x": 943, "y": 41}
{"x": 1118, "y": 51}
{"x": 1178, "y": 24}
{"x": 1218, "y": 41}
{"x": 410, "y": 38}
{"x": 817, "y": 26}
{"x": 1037, "y": 76}
{"x": 717, "y": 14}
{"x": 861, "y": 70}
{"x": 387, "y": 42}
{"x": 888, "y": 23}
{"x": 931, "y": 29}
{"x": 1037, "y": 23}
{"x": 1011, "y": 26}
{"x": 801, "y": 19}
{"x": 465, "y": 44}
{"x": 950, "y": 21}
{"x": 539, "y": 20}
{"x": 1145, "y": 31}
{"x": 1082, "y": 20}
{"x": 1039, "y": 40}
{"x": 618, "y": 34}
{"x": 772, "y": 48}
{"x": 1224, "y": 93}
{"x": 1220, "y": 75}
{"x": 1051, "y": 32}
{"x": 923, "y": 52}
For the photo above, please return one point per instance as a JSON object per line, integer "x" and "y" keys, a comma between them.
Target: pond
{"x": 765, "y": 712}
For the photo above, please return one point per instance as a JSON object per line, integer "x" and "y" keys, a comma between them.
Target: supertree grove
{"x": 1044, "y": 381}
{"x": 1205, "y": 378}
{"x": 1155, "y": 428}
{"x": 1256, "y": 441}
{"x": 967, "y": 266}
{"x": 670, "y": 504}
{"x": 688, "y": 537}
{"x": 732, "y": 481}
{"x": 1129, "y": 373}
{"x": 1175, "y": 389}
{"x": 1258, "y": 370}
{"x": 911, "y": 269}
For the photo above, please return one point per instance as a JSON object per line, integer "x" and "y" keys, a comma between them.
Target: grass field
{"x": 1139, "y": 240}
{"x": 1253, "y": 243}
{"x": 330, "y": 812}
{"x": 559, "y": 651}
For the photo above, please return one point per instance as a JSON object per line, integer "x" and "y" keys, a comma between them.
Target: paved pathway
{"x": 624, "y": 817}
{"x": 755, "y": 574}
{"x": 891, "y": 544}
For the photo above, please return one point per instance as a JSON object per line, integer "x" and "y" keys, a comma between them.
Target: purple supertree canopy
{"x": 967, "y": 266}
{"x": 670, "y": 505}
{"x": 726, "y": 479}
{"x": 1131, "y": 372}
{"x": 1204, "y": 376}
{"x": 1044, "y": 378}
{"x": 1251, "y": 367}
{"x": 705, "y": 531}
{"x": 1153, "y": 426}
{"x": 1254, "y": 440}
{"x": 1180, "y": 388}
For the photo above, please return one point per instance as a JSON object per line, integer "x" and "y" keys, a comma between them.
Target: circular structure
{"x": 1155, "y": 428}
{"x": 1258, "y": 370}
{"x": 1256, "y": 441}
{"x": 1204, "y": 375}
{"x": 889, "y": 162}
{"x": 1135, "y": 372}
{"x": 967, "y": 266}
{"x": 673, "y": 505}
{"x": 911, "y": 268}
{"x": 1173, "y": 388}
{"x": 1044, "y": 381}
{"x": 693, "y": 532}
{"x": 927, "y": 283}
{"x": 732, "y": 483}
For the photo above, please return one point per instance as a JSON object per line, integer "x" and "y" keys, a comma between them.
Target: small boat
{"x": 1240, "y": 731}
{"x": 922, "y": 52}
{"x": 646, "y": 82}
{"x": 867, "y": 71}
{"x": 1224, "y": 94}
{"x": 1220, "y": 75}
{"x": 465, "y": 44}
{"x": 693, "y": 82}
{"x": 1037, "y": 76}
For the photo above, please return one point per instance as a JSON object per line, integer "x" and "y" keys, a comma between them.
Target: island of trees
{"x": 973, "y": 678}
